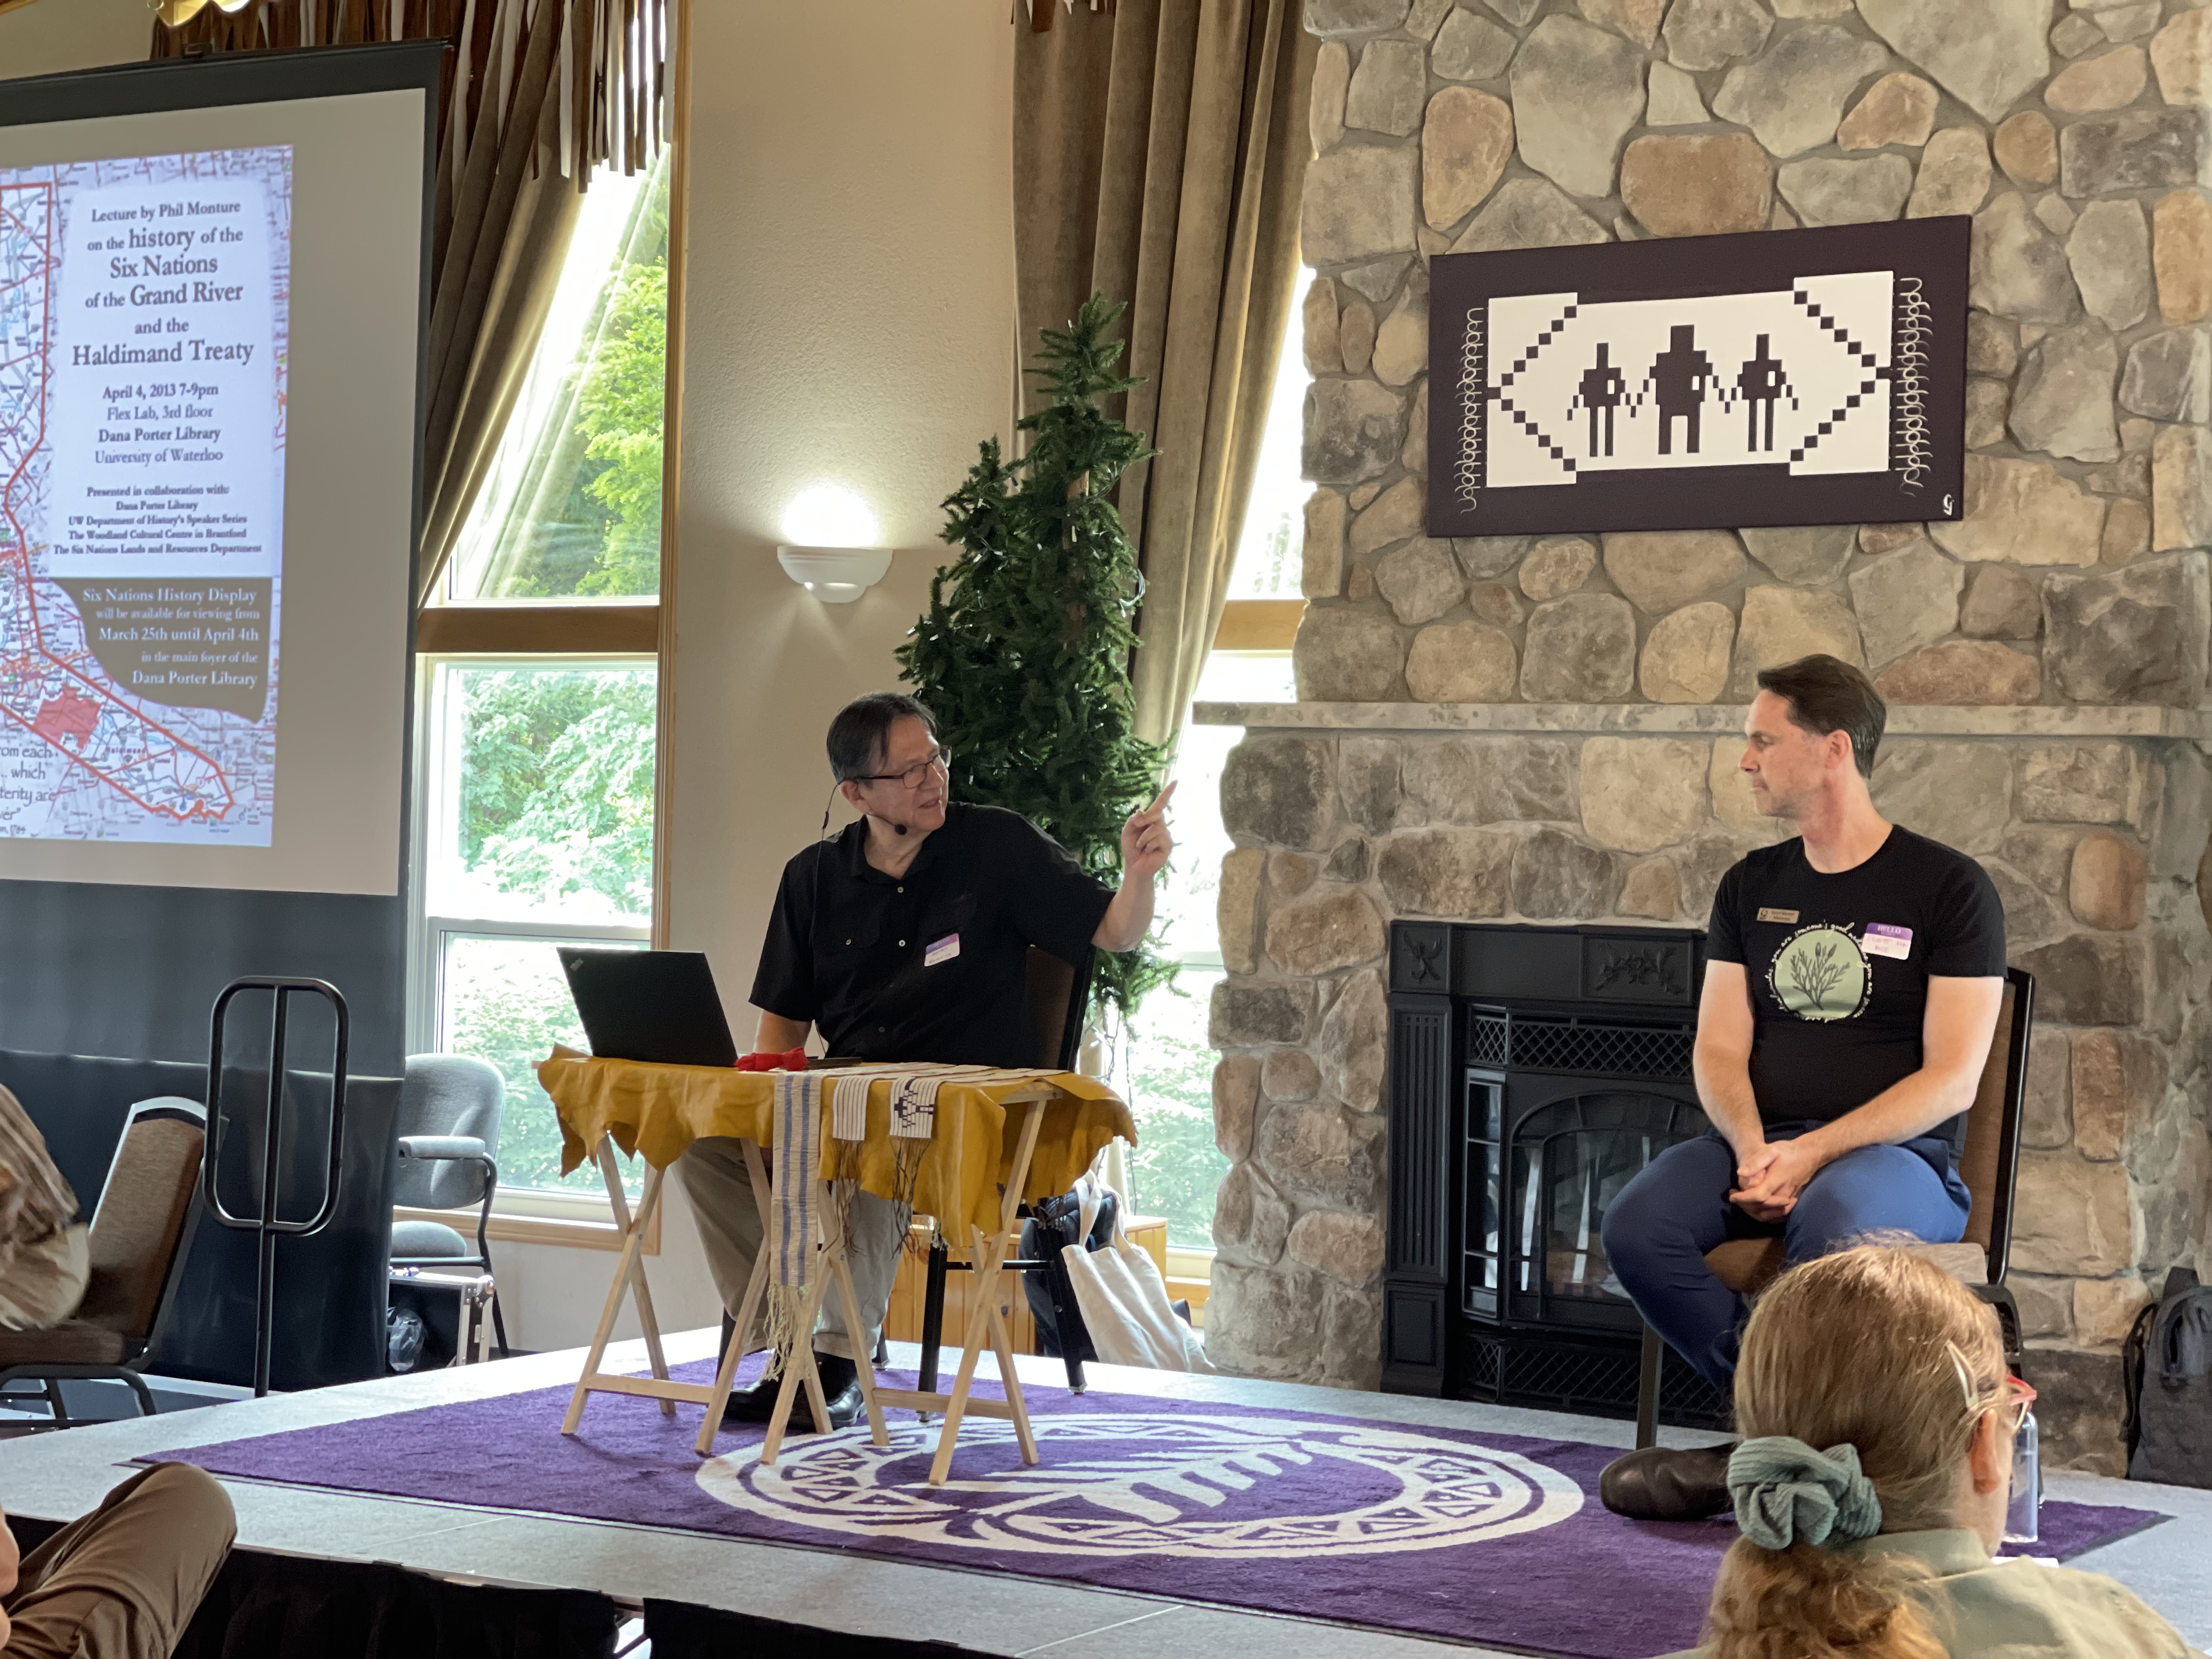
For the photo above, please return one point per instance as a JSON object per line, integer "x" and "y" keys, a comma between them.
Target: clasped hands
{"x": 1769, "y": 1177}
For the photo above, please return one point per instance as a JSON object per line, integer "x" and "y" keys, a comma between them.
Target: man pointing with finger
{"x": 906, "y": 938}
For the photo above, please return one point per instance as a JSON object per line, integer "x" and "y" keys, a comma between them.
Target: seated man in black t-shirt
{"x": 905, "y": 937}
{"x": 1853, "y": 977}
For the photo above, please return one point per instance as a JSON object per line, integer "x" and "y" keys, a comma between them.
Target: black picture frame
{"x": 1924, "y": 362}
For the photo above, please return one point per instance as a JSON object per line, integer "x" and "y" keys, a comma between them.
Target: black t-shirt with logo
{"x": 930, "y": 964}
{"x": 1839, "y": 966}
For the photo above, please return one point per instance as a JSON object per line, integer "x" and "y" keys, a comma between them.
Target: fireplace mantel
{"x": 1697, "y": 719}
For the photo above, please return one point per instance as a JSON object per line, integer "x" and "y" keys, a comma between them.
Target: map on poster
{"x": 143, "y": 312}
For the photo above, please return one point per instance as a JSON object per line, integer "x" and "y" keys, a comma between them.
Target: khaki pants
{"x": 721, "y": 1188}
{"x": 43, "y": 1283}
{"x": 122, "y": 1581}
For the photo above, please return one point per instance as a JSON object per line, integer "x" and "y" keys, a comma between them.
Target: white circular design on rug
{"x": 1128, "y": 1483}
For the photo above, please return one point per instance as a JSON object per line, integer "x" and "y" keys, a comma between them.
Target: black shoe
{"x": 1657, "y": 1484}
{"x": 841, "y": 1391}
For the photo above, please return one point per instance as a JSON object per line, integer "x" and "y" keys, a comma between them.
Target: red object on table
{"x": 792, "y": 1061}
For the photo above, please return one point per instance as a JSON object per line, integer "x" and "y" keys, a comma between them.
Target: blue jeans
{"x": 1657, "y": 1231}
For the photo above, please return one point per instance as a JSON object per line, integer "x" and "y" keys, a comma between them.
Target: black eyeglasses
{"x": 912, "y": 777}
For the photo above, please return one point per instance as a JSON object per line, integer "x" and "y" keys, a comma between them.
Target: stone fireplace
{"x": 1544, "y": 730}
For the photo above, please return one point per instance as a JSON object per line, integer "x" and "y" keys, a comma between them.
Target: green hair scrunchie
{"x": 1786, "y": 1493}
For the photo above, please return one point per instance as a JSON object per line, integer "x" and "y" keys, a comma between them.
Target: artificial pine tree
{"x": 1022, "y": 656}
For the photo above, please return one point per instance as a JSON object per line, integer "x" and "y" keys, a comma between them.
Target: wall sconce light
{"x": 834, "y": 575}
{"x": 831, "y": 553}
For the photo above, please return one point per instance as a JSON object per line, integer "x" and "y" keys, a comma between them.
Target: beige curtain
{"x": 538, "y": 94}
{"x": 1159, "y": 151}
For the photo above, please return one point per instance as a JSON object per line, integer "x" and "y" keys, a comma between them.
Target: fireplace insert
{"x": 1533, "y": 1071}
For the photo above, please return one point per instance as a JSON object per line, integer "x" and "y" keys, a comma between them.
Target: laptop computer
{"x": 655, "y": 1005}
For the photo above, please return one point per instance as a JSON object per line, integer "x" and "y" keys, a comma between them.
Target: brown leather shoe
{"x": 1658, "y": 1484}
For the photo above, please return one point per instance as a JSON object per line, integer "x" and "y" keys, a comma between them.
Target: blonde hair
{"x": 1879, "y": 1350}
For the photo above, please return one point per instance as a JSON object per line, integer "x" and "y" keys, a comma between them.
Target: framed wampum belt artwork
{"x": 1786, "y": 377}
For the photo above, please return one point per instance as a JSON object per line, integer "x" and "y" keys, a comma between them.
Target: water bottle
{"x": 2023, "y": 1509}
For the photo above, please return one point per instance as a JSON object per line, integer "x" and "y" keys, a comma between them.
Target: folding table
{"x": 1001, "y": 1138}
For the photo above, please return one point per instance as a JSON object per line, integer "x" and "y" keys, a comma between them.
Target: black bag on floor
{"x": 2167, "y": 1361}
{"x": 1051, "y": 1228}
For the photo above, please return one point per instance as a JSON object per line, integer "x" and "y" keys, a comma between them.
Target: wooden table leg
{"x": 989, "y": 1253}
{"x": 971, "y": 1349}
{"x": 1004, "y": 1347}
{"x": 755, "y": 1289}
{"x": 627, "y": 1277}
{"x": 799, "y": 1370}
{"x": 1009, "y": 1207}
{"x": 649, "y": 1326}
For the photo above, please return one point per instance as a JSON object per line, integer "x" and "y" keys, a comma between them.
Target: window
{"x": 538, "y": 832}
{"x": 571, "y": 509}
{"x": 538, "y": 697}
{"x": 1269, "y": 551}
{"x": 1176, "y": 1168}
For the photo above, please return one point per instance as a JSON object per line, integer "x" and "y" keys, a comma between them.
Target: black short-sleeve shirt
{"x": 1839, "y": 966}
{"x": 930, "y": 964}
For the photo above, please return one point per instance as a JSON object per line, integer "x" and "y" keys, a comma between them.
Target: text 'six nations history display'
{"x": 143, "y": 312}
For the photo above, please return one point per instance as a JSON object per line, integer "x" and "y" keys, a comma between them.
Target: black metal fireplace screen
{"x": 1539, "y": 1176}
{"x": 1535, "y": 1073}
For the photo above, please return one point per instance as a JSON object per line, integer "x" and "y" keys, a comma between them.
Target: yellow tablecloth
{"x": 660, "y": 1111}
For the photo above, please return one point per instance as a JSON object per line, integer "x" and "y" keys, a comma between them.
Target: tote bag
{"x": 1125, "y": 1307}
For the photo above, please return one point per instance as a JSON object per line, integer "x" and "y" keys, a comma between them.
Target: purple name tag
{"x": 1883, "y": 940}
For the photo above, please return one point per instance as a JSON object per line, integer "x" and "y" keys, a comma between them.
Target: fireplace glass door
{"x": 1567, "y": 1161}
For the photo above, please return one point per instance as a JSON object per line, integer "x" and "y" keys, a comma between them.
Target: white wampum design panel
{"x": 1774, "y": 377}
{"x": 1794, "y": 376}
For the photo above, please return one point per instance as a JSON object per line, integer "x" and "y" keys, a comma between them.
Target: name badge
{"x": 949, "y": 947}
{"x": 1883, "y": 940}
{"x": 1767, "y": 913}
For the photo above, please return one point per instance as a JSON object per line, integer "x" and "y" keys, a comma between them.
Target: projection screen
{"x": 212, "y": 305}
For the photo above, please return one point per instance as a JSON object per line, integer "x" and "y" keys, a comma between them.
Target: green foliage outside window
{"x": 508, "y": 1004}
{"x": 1175, "y": 1166}
{"x": 555, "y": 808}
{"x": 556, "y": 784}
{"x": 623, "y": 402}
{"x": 1022, "y": 656}
{"x": 584, "y": 518}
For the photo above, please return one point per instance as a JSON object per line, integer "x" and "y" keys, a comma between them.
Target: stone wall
{"x": 2044, "y": 632}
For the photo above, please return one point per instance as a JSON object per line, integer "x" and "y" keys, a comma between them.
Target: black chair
{"x": 1989, "y": 1164}
{"x": 1057, "y": 997}
{"x": 136, "y": 1240}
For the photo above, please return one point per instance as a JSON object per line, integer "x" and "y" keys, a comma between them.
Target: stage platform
{"x": 60, "y": 1476}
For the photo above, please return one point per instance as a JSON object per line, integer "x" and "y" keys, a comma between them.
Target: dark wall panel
{"x": 89, "y": 969}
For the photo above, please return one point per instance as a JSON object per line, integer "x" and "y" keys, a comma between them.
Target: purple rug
{"x": 1490, "y": 1538}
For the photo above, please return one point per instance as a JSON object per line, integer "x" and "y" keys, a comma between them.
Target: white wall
{"x": 849, "y": 320}
{"x": 49, "y": 36}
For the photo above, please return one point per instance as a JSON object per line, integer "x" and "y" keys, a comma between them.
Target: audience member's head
{"x": 1872, "y": 1395}
{"x": 1813, "y": 728}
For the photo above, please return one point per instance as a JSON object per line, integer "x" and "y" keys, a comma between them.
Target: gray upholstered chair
{"x": 449, "y": 1112}
{"x": 136, "y": 1240}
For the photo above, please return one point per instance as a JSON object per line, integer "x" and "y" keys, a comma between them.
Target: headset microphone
{"x": 896, "y": 826}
